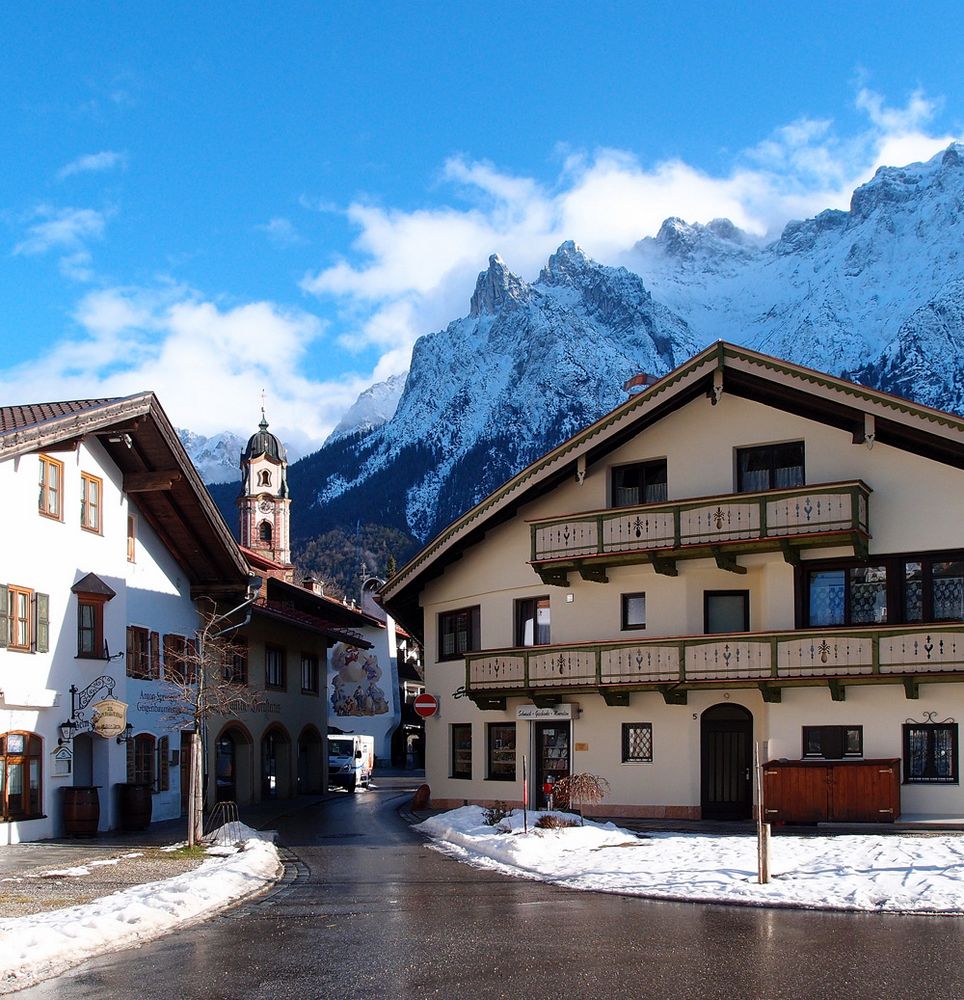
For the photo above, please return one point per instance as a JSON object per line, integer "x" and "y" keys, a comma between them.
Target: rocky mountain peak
{"x": 567, "y": 264}
{"x": 496, "y": 288}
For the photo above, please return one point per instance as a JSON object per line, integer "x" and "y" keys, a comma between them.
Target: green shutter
{"x": 42, "y": 619}
{"x": 4, "y": 616}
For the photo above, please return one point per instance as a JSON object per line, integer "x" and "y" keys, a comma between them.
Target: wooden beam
{"x": 149, "y": 482}
{"x": 593, "y": 574}
{"x": 553, "y": 577}
{"x": 791, "y": 554}
{"x": 674, "y": 695}
{"x": 667, "y": 567}
{"x": 58, "y": 446}
{"x": 771, "y": 695}
{"x": 726, "y": 562}
{"x": 615, "y": 699}
{"x": 911, "y": 688}
{"x": 545, "y": 700}
{"x": 487, "y": 703}
{"x": 837, "y": 690}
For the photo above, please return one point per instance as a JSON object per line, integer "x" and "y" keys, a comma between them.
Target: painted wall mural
{"x": 354, "y": 684}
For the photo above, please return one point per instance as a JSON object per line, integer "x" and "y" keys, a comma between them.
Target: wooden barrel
{"x": 81, "y": 810}
{"x": 135, "y": 805}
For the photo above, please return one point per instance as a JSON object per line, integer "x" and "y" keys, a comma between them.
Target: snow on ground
{"x": 900, "y": 873}
{"x": 36, "y": 947}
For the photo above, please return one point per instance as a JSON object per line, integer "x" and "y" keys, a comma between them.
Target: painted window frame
{"x": 50, "y": 502}
{"x": 652, "y": 486}
{"x": 500, "y": 763}
{"x": 527, "y": 609}
{"x": 131, "y": 538}
{"x": 91, "y": 503}
{"x": 448, "y": 625}
{"x": 30, "y": 759}
{"x": 178, "y": 665}
{"x": 769, "y": 452}
{"x": 310, "y": 672}
{"x": 275, "y": 668}
{"x": 626, "y": 742}
{"x": 931, "y": 732}
{"x": 709, "y": 594}
{"x": 21, "y": 627}
{"x": 460, "y": 751}
{"x": 830, "y": 742}
{"x": 624, "y": 602}
{"x": 234, "y": 667}
{"x": 95, "y": 629}
{"x": 144, "y": 760}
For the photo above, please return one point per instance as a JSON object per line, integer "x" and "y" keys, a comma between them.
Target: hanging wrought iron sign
{"x": 108, "y": 718}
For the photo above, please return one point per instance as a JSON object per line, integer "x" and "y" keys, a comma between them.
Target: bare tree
{"x": 207, "y": 677}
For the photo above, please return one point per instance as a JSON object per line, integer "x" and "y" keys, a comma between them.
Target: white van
{"x": 351, "y": 760}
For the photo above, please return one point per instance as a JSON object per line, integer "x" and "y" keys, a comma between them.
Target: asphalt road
{"x": 372, "y": 912}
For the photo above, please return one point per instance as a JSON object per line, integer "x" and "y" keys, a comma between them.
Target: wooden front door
{"x": 726, "y": 752}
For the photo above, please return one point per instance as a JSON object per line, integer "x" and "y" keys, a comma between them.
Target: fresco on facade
{"x": 354, "y": 682}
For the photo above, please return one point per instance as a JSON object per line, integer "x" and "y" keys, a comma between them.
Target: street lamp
{"x": 67, "y": 730}
{"x": 127, "y": 735}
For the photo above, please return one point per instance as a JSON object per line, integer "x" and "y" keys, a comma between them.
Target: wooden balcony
{"x": 719, "y": 528}
{"x": 770, "y": 661}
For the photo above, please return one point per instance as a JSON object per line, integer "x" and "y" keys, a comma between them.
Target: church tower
{"x": 264, "y": 502}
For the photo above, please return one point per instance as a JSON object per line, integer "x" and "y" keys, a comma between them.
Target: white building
{"x": 745, "y": 552}
{"x": 113, "y": 538}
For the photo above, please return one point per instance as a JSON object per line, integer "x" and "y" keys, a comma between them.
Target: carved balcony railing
{"x": 720, "y": 527}
{"x": 767, "y": 660}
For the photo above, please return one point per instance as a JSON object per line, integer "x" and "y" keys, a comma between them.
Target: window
{"x": 177, "y": 666}
{"x": 51, "y": 502}
{"x": 458, "y": 633}
{"x": 143, "y": 770}
{"x": 91, "y": 502}
{"x": 21, "y": 762}
{"x": 90, "y": 626}
{"x": 143, "y": 653}
{"x": 833, "y": 742}
{"x": 274, "y": 667}
{"x": 532, "y": 621}
{"x": 726, "y": 611}
{"x": 309, "y": 673}
{"x": 637, "y": 743}
{"x": 893, "y": 590}
{"x": 264, "y": 478}
{"x": 642, "y": 482}
{"x": 131, "y": 538}
{"x": 264, "y": 531}
{"x": 930, "y": 753}
{"x": 769, "y": 467}
{"x": 235, "y": 668}
{"x": 461, "y": 735}
{"x": 501, "y": 751}
{"x": 24, "y": 619}
{"x": 633, "y": 611}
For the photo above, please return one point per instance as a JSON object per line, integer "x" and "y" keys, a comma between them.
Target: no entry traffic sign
{"x": 426, "y": 705}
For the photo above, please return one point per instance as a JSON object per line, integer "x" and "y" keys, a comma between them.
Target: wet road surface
{"x": 369, "y": 911}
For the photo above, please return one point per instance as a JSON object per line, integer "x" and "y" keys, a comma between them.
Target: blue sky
{"x": 208, "y": 200}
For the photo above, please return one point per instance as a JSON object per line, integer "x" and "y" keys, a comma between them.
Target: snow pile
{"x": 45, "y": 944}
{"x": 900, "y": 873}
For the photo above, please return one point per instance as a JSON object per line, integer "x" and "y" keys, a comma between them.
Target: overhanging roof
{"x": 157, "y": 474}
{"x": 722, "y": 367}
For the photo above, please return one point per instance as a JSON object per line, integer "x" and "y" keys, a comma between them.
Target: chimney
{"x": 310, "y": 583}
{"x": 640, "y": 381}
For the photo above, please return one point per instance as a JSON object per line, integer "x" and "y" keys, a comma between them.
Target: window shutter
{"x": 130, "y": 760}
{"x": 4, "y": 616}
{"x": 42, "y": 619}
{"x": 163, "y": 764}
{"x": 155, "y": 668}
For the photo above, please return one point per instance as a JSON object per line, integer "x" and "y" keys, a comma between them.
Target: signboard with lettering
{"x": 109, "y": 717}
{"x": 538, "y": 713}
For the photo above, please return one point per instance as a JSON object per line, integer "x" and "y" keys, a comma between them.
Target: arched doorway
{"x": 726, "y": 759}
{"x": 275, "y": 764}
{"x": 310, "y": 762}
{"x": 232, "y": 765}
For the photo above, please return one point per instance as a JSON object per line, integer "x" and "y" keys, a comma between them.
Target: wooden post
{"x": 762, "y": 829}
{"x": 525, "y": 797}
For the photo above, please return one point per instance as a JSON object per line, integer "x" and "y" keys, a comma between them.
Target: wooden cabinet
{"x": 831, "y": 791}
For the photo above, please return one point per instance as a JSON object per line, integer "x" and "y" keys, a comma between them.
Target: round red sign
{"x": 426, "y": 705}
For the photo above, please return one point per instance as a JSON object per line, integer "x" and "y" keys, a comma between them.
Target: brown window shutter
{"x": 129, "y": 659}
{"x": 4, "y": 615}
{"x": 41, "y": 617}
{"x": 130, "y": 760}
{"x": 155, "y": 670}
{"x": 163, "y": 769}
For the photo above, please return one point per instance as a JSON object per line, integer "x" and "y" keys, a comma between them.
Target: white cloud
{"x": 208, "y": 364}
{"x": 413, "y": 270}
{"x": 60, "y": 228}
{"x": 281, "y": 232}
{"x": 93, "y": 163}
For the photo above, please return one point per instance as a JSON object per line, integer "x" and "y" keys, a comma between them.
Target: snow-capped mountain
{"x": 374, "y": 407}
{"x": 216, "y": 458}
{"x": 876, "y": 292}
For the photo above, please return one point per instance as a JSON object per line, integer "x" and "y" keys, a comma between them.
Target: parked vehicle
{"x": 351, "y": 760}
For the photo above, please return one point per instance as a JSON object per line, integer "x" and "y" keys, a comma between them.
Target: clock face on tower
{"x": 266, "y": 506}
